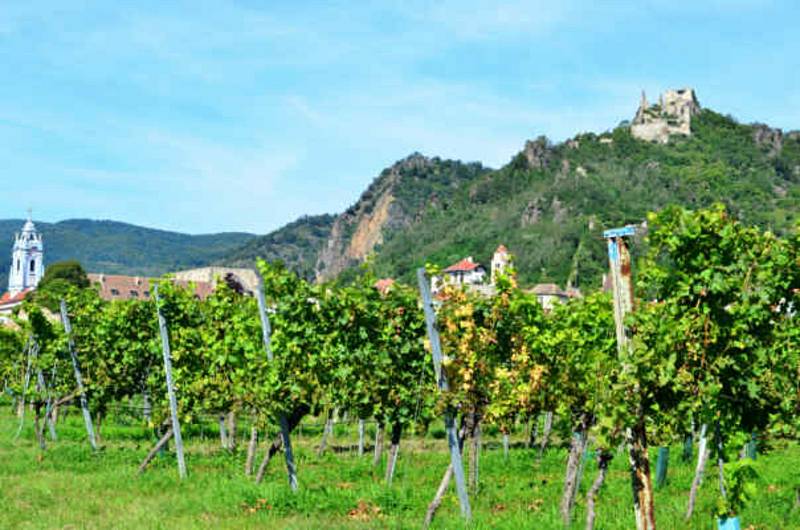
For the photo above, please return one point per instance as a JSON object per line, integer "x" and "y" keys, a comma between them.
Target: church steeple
{"x": 27, "y": 259}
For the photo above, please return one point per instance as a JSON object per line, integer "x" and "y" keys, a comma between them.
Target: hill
{"x": 325, "y": 246}
{"x": 297, "y": 244}
{"x": 548, "y": 205}
{"x": 397, "y": 200}
{"x": 551, "y": 202}
{"x": 112, "y": 247}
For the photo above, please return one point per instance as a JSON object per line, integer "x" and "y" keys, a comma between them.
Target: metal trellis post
{"x": 87, "y": 417}
{"x": 173, "y": 402}
{"x": 441, "y": 380}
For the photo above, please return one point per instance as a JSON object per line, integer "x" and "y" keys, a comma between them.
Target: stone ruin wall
{"x": 672, "y": 115}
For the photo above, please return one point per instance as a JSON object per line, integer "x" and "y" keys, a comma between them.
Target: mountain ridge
{"x": 550, "y": 202}
{"x": 548, "y": 205}
{"x": 116, "y": 247}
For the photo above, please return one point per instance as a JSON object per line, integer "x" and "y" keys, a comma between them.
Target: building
{"x": 549, "y": 294}
{"x": 8, "y": 303}
{"x": 471, "y": 275}
{"x": 463, "y": 273}
{"x": 121, "y": 287}
{"x": 26, "y": 271}
{"x": 384, "y": 285}
{"x": 672, "y": 115}
{"x": 501, "y": 261}
{"x": 247, "y": 277}
{"x": 27, "y": 260}
{"x": 204, "y": 280}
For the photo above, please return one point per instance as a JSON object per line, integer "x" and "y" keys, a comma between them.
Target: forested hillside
{"x": 398, "y": 199}
{"x": 550, "y": 204}
{"x": 297, "y": 245}
{"x": 112, "y": 247}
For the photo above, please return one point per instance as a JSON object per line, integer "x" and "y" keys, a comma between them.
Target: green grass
{"x": 69, "y": 487}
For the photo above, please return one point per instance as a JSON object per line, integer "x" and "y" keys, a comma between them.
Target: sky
{"x": 242, "y": 116}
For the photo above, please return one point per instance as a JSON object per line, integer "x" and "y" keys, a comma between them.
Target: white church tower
{"x": 27, "y": 262}
{"x": 500, "y": 262}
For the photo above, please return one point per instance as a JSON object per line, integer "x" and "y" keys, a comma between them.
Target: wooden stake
{"x": 621, "y": 280}
{"x": 154, "y": 451}
{"x": 377, "y": 452}
{"x": 251, "y": 451}
{"x": 360, "y": 437}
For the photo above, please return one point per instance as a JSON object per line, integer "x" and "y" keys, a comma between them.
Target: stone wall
{"x": 671, "y": 116}
{"x": 212, "y": 274}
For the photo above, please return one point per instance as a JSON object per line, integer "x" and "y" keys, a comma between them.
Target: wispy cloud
{"x": 204, "y": 116}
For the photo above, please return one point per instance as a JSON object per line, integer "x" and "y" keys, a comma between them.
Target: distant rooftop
{"x": 465, "y": 265}
{"x": 119, "y": 287}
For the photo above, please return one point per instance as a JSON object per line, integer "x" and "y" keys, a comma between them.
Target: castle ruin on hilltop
{"x": 671, "y": 115}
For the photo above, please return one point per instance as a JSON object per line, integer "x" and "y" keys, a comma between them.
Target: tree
{"x": 59, "y": 278}
{"x": 70, "y": 271}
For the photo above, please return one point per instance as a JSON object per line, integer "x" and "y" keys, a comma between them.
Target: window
{"x": 114, "y": 292}
{"x": 17, "y": 265}
{"x": 147, "y": 294}
{"x": 33, "y": 265}
{"x": 134, "y": 294}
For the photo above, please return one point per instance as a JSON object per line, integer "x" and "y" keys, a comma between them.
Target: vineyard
{"x": 673, "y": 407}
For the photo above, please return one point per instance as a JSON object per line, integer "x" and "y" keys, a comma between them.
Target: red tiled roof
{"x": 384, "y": 284}
{"x": 465, "y": 265}
{"x": 119, "y": 287}
{"x": 19, "y": 297}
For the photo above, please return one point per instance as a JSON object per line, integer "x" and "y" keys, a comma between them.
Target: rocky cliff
{"x": 551, "y": 202}
{"x": 394, "y": 201}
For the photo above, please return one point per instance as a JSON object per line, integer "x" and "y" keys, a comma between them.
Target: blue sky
{"x": 213, "y": 116}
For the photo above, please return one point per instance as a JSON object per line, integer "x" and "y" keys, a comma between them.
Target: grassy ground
{"x": 69, "y": 487}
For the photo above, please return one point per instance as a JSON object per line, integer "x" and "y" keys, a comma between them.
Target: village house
{"x": 27, "y": 270}
{"x": 463, "y": 273}
{"x": 550, "y": 294}
{"x": 472, "y": 275}
{"x": 203, "y": 281}
{"x": 501, "y": 261}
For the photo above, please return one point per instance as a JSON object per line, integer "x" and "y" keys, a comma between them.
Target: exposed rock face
{"x": 769, "y": 138}
{"x": 672, "y": 115}
{"x": 559, "y": 210}
{"x": 357, "y": 231}
{"x": 537, "y": 153}
{"x": 395, "y": 200}
{"x": 532, "y": 213}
